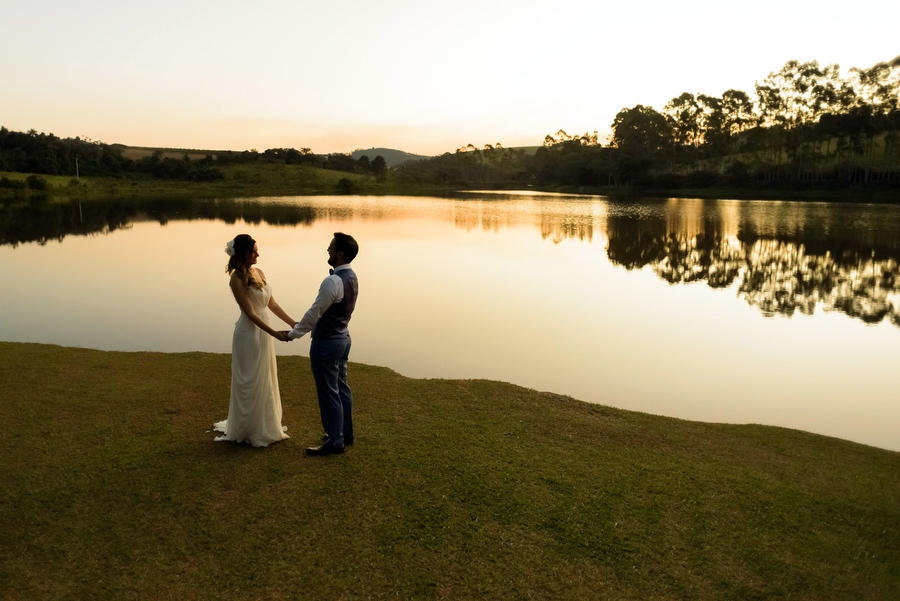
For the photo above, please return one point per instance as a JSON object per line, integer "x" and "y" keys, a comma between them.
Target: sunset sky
{"x": 421, "y": 76}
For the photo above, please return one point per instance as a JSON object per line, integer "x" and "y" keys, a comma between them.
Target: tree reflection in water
{"x": 41, "y": 221}
{"x": 779, "y": 276}
{"x": 783, "y": 262}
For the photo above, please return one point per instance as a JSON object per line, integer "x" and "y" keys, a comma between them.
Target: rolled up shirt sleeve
{"x": 331, "y": 291}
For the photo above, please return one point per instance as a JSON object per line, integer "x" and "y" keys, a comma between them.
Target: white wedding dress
{"x": 254, "y": 411}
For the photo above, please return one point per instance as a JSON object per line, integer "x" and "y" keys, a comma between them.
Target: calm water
{"x": 745, "y": 312}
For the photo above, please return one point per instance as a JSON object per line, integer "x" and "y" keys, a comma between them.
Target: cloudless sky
{"x": 421, "y": 76}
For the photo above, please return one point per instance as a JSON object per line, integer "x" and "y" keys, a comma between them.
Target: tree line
{"x": 47, "y": 154}
{"x": 802, "y": 125}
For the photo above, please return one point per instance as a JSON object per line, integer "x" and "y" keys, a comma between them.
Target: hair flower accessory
{"x": 229, "y": 248}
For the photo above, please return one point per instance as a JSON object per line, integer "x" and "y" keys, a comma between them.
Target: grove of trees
{"x": 46, "y": 154}
{"x": 802, "y": 125}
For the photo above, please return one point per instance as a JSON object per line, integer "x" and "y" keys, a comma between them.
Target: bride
{"x": 254, "y": 411}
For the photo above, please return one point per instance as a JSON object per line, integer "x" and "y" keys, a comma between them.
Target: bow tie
{"x": 331, "y": 272}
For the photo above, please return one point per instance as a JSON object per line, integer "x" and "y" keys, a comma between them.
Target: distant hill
{"x": 529, "y": 150}
{"x": 136, "y": 153}
{"x": 390, "y": 156}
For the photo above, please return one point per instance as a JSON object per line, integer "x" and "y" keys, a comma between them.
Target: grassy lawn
{"x": 262, "y": 179}
{"x": 112, "y": 488}
{"x": 240, "y": 180}
{"x": 259, "y": 179}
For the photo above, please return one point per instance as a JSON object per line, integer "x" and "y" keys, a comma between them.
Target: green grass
{"x": 249, "y": 180}
{"x": 240, "y": 180}
{"x": 112, "y": 488}
{"x": 255, "y": 180}
{"x": 56, "y": 181}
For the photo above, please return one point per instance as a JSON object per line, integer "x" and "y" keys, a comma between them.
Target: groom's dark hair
{"x": 346, "y": 244}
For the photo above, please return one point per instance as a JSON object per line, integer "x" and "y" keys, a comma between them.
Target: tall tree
{"x": 684, "y": 114}
{"x": 642, "y": 136}
{"x": 641, "y": 131}
{"x": 737, "y": 112}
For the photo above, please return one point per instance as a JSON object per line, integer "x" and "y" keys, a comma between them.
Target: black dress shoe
{"x": 325, "y": 449}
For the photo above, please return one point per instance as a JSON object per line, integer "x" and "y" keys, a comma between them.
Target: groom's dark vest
{"x": 333, "y": 323}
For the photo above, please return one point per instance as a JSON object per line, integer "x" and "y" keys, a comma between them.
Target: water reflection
{"x": 782, "y": 278}
{"x": 783, "y": 258}
{"x": 781, "y": 267}
{"x": 43, "y": 221}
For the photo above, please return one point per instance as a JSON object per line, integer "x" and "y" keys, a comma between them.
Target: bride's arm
{"x": 275, "y": 308}
{"x": 243, "y": 301}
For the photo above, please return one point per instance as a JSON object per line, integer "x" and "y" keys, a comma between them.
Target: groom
{"x": 329, "y": 350}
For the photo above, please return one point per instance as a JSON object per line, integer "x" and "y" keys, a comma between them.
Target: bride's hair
{"x": 243, "y": 246}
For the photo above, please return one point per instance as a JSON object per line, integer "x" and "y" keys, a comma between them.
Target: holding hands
{"x": 282, "y": 335}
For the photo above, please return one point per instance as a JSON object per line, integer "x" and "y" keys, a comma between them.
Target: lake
{"x": 779, "y": 313}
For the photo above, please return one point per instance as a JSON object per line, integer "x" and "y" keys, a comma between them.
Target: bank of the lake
{"x": 239, "y": 181}
{"x": 851, "y": 194}
{"x": 113, "y": 488}
{"x": 255, "y": 180}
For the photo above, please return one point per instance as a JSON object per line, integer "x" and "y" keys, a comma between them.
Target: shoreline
{"x": 275, "y": 180}
{"x": 535, "y": 391}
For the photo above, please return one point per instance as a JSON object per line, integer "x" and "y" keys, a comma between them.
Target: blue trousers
{"x": 328, "y": 359}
